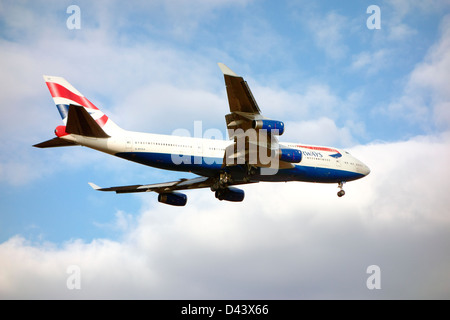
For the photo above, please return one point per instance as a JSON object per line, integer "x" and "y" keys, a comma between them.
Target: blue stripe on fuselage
{"x": 200, "y": 165}
{"x": 209, "y": 167}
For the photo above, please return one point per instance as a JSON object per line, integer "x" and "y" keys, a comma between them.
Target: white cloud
{"x": 322, "y": 131}
{"x": 187, "y": 15}
{"x": 404, "y": 7}
{"x": 313, "y": 114}
{"x": 403, "y": 193}
{"x": 123, "y": 222}
{"x": 286, "y": 240}
{"x": 256, "y": 39}
{"x": 433, "y": 76}
{"x": 156, "y": 108}
{"x": 328, "y": 34}
{"x": 426, "y": 98}
{"x": 401, "y": 16}
{"x": 371, "y": 62}
{"x": 400, "y": 32}
{"x": 311, "y": 100}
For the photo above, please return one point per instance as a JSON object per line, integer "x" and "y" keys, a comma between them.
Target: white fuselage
{"x": 206, "y": 156}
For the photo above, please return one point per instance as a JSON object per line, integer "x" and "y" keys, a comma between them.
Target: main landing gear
{"x": 341, "y": 191}
{"x": 222, "y": 181}
{"x": 220, "y": 186}
{"x": 249, "y": 172}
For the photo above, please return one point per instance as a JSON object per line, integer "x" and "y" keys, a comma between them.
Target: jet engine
{"x": 173, "y": 198}
{"x": 290, "y": 155}
{"x": 269, "y": 125}
{"x": 230, "y": 194}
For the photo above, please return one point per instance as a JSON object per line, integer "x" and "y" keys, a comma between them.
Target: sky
{"x": 151, "y": 66}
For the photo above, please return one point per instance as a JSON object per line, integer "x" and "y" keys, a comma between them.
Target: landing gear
{"x": 341, "y": 192}
{"x": 220, "y": 186}
{"x": 222, "y": 181}
{"x": 249, "y": 172}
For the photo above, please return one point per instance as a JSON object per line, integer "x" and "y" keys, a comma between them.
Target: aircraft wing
{"x": 250, "y": 146}
{"x": 165, "y": 187}
{"x": 240, "y": 98}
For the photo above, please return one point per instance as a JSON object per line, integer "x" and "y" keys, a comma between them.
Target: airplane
{"x": 252, "y": 154}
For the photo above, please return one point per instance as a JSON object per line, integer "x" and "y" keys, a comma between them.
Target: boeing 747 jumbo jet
{"x": 252, "y": 154}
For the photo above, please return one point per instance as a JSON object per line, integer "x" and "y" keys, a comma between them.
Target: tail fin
{"x": 65, "y": 95}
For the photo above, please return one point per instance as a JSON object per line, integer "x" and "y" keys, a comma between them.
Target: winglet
{"x": 226, "y": 70}
{"x": 94, "y": 186}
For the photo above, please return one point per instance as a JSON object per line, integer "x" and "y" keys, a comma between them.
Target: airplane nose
{"x": 366, "y": 170}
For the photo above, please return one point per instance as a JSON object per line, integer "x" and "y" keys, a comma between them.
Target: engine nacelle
{"x": 290, "y": 155}
{"x": 230, "y": 194}
{"x": 173, "y": 198}
{"x": 269, "y": 125}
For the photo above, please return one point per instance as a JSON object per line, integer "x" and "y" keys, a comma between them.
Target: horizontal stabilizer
{"x": 80, "y": 122}
{"x": 55, "y": 142}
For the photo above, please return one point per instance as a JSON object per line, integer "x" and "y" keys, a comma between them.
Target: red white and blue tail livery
{"x": 252, "y": 154}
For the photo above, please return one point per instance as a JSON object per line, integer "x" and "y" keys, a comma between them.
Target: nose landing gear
{"x": 341, "y": 191}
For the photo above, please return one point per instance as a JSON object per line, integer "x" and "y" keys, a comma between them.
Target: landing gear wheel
{"x": 220, "y": 183}
{"x": 341, "y": 192}
{"x": 224, "y": 179}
